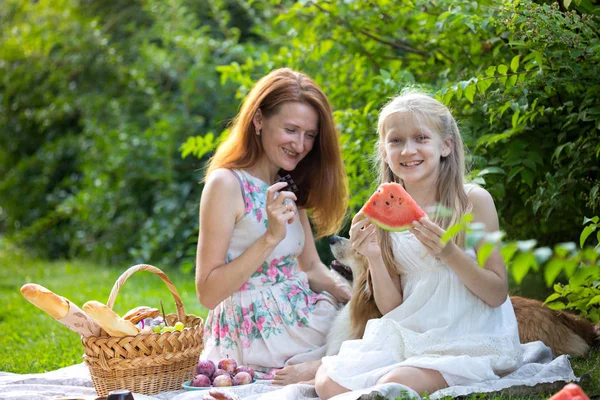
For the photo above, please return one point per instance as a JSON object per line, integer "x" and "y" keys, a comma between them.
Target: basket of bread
{"x": 143, "y": 351}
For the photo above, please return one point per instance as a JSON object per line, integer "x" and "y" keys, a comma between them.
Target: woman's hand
{"x": 363, "y": 236}
{"x": 340, "y": 290}
{"x": 280, "y": 211}
{"x": 430, "y": 235}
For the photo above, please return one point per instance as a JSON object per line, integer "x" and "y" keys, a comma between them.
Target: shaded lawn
{"x": 32, "y": 341}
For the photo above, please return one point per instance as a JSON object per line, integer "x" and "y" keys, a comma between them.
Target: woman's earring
{"x": 258, "y": 131}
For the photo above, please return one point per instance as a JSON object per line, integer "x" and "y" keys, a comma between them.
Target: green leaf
{"x": 587, "y": 231}
{"x": 542, "y": 255}
{"x": 594, "y": 300}
{"x": 556, "y": 305}
{"x": 494, "y": 237}
{"x": 473, "y": 238}
{"x": 484, "y": 253}
{"x": 511, "y": 81}
{"x": 567, "y": 3}
{"x": 552, "y": 270}
{"x": 526, "y": 245}
{"x": 502, "y": 69}
{"x": 491, "y": 170}
{"x": 594, "y": 219}
{"x": 514, "y": 64}
{"x": 515, "y": 118}
{"x": 452, "y": 232}
{"x": 552, "y": 297}
{"x": 508, "y": 251}
{"x": 521, "y": 266}
{"x": 490, "y": 71}
{"x": 470, "y": 92}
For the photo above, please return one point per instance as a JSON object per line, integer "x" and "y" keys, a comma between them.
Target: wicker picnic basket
{"x": 145, "y": 363}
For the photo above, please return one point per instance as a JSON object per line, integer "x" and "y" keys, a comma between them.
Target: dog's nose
{"x": 334, "y": 239}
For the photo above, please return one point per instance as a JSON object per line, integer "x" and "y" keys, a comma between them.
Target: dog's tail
{"x": 589, "y": 332}
{"x": 563, "y": 332}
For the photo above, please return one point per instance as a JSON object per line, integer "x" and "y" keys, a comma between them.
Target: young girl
{"x": 257, "y": 267}
{"x": 446, "y": 321}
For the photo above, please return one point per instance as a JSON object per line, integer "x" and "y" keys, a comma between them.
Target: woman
{"x": 271, "y": 299}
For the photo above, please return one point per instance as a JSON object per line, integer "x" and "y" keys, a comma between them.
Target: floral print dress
{"x": 274, "y": 319}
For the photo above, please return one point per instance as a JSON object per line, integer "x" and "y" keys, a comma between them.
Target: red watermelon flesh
{"x": 571, "y": 391}
{"x": 391, "y": 208}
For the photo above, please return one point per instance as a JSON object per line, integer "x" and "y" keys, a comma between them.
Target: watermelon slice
{"x": 391, "y": 208}
{"x": 571, "y": 391}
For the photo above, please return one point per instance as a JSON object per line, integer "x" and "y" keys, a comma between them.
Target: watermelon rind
{"x": 390, "y": 228}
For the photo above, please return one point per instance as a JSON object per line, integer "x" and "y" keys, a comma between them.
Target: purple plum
{"x": 206, "y": 368}
{"x": 220, "y": 372}
{"x": 242, "y": 378}
{"x": 200, "y": 381}
{"x": 222, "y": 380}
{"x": 228, "y": 364}
{"x": 243, "y": 368}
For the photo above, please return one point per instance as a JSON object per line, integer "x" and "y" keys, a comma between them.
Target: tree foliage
{"x": 110, "y": 110}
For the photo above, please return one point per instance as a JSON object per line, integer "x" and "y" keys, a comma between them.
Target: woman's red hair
{"x": 320, "y": 176}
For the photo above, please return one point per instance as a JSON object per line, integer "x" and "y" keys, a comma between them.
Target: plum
{"x": 206, "y": 368}
{"x": 201, "y": 381}
{"x": 220, "y": 372}
{"x": 222, "y": 380}
{"x": 242, "y": 378}
{"x": 228, "y": 364}
{"x": 243, "y": 368}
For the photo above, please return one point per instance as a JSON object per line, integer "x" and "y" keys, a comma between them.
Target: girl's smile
{"x": 412, "y": 148}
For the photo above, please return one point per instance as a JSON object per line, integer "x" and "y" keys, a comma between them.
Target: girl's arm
{"x": 489, "y": 283}
{"x": 320, "y": 278}
{"x": 215, "y": 279}
{"x": 387, "y": 290}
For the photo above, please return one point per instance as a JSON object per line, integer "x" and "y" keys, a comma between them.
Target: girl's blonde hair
{"x": 450, "y": 191}
{"x": 320, "y": 173}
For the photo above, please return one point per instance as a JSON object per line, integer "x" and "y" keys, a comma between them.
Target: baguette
{"x": 109, "y": 320}
{"x": 61, "y": 309}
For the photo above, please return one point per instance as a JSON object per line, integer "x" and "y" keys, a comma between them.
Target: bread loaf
{"x": 137, "y": 314}
{"x": 62, "y": 309}
{"x": 109, "y": 320}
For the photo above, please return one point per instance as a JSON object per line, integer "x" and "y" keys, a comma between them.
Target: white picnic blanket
{"x": 551, "y": 375}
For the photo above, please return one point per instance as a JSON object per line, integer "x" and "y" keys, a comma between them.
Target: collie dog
{"x": 563, "y": 332}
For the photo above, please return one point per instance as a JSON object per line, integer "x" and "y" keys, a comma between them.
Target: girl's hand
{"x": 363, "y": 236}
{"x": 280, "y": 211}
{"x": 430, "y": 235}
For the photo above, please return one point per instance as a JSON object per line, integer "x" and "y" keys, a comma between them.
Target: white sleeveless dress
{"x": 441, "y": 325}
{"x": 274, "y": 319}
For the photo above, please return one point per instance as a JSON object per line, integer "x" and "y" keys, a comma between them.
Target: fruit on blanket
{"x": 228, "y": 364}
{"x": 222, "y": 395}
{"x": 242, "y": 378}
{"x": 391, "y": 208}
{"x": 243, "y": 368}
{"x": 570, "y": 391}
{"x": 206, "y": 367}
{"x": 222, "y": 380}
{"x": 200, "y": 380}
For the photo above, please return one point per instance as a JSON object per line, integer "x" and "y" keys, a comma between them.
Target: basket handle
{"x": 146, "y": 267}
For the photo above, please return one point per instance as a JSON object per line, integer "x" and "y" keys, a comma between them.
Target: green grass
{"x": 32, "y": 341}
